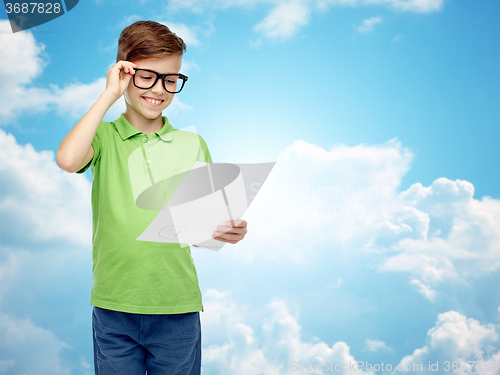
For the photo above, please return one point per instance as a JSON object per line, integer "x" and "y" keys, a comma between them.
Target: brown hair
{"x": 146, "y": 40}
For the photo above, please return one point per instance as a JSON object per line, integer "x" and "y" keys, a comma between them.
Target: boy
{"x": 145, "y": 294}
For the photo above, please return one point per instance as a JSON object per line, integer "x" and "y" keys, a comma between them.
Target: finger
{"x": 123, "y": 63}
{"x": 238, "y": 223}
{"x": 235, "y": 230}
{"x": 225, "y": 240}
{"x": 125, "y": 69}
{"x": 130, "y": 70}
{"x": 228, "y": 236}
{"x": 127, "y": 78}
{"x": 124, "y": 66}
{"x": 119, "y": 65}
{"x": 130, "y": 67}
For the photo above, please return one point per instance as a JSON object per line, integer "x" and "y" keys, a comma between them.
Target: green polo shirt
{"x": 129, "y": 275}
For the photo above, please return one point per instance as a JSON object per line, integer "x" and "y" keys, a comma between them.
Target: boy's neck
{"x": 143, "y": 124}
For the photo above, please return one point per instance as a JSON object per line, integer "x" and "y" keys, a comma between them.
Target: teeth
{"x": 153, "y": 101}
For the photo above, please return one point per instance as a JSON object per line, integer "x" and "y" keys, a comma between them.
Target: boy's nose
{"x": 158, "y": 87}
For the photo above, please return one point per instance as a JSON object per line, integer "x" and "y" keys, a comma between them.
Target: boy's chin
{"x": 152, "y": 113}
{"x": 148, "y": 114}
{"x": 151, "y": 116}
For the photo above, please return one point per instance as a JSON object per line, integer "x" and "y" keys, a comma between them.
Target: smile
{"x": 153, "y": 102}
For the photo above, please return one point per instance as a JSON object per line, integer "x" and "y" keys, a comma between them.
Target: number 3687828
{"x": 33, "y": 7}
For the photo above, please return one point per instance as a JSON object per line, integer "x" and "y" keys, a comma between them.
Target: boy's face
{"x": 144, "y": 102}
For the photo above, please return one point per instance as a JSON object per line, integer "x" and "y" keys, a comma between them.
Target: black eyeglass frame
{"x": 162, "y": 77}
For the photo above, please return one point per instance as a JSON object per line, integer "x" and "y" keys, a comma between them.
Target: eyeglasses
{"x": 145, "y": 79}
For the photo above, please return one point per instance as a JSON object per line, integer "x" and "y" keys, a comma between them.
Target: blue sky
{"x": 376, "y": 237}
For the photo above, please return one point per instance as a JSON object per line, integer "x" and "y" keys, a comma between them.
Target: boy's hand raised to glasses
{"x": 118, "y": 78}
{"x": 232, "y": 232}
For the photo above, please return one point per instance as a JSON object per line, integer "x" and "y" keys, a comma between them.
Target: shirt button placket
{"x": 144, "y": 140}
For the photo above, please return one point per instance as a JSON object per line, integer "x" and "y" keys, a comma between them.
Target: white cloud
{"x": 28, "y": 62}
{"x": 277, "y": 347}
{"x": 186, "y": 33}
{"x": 255, "y": 44}
{"x": 76, "y": 98}
{"x": 39, "y": 202}
{"x": 340, "y": 197}
{"x": 418, "y": 6}
{"x": 285, "y": 20}
{"x": 22, "y": 60}
{"x": 287, "y": 17}
{"x": 336, "y": 283}
{"x": 189, "y": 66}
{"x": 176, "y": 107}
{"x": 376, "y": 346}
{"x": 5, "y": 365}
{"x": 463, "y": 233}
{"x": 29, "y": 349}
{"x": 424, "y": 289}
{"x": 277, "y": 350}
{"x": 129, "y": 20}
{"x": 455, "y": 338}
{"x": 198, "y": 6}
{"x": 368, "y": 24}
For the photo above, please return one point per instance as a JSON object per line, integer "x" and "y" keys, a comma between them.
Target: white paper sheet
{"x": 210, "y": 195}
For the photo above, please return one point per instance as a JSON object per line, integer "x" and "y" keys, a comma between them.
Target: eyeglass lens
{"x": 145, "y": 80}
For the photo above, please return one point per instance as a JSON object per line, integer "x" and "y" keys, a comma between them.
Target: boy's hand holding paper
{"x": 233, "y": 232}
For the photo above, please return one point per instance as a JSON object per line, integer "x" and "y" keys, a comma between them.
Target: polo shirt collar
{"x": 127, "y": 130}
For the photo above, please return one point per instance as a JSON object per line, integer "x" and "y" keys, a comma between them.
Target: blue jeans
{"x": 131, "y": 344}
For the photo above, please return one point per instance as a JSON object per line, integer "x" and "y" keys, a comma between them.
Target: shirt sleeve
{"x": 96, "y": 145}
{"x": 203, "y": 153}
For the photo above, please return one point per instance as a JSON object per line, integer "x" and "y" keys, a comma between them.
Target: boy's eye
{"x": 146, "y": 77}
